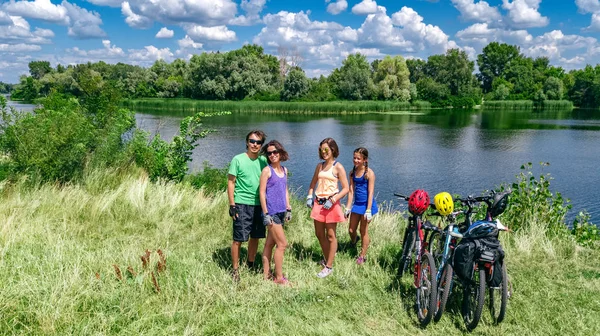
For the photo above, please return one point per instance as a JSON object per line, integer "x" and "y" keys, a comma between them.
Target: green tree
{"x": 493, "y": 60}
{"x": 416, "y": 68}
{"x": 391, "y": 79}
{"x": 553, "y": 87}
{"x": 353, "y": 78}
{"x": 37, "y": 69}
{"x": 501, "y": 92}
{"x": 295, "y": 85}
{"x": 432, "y": 91}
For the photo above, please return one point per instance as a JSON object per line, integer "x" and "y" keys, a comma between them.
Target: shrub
{"x": 532, "y": 201}
{"x": 52, "y": 143}
{"x": 211, "y": 179}
{"x": 586, "y": 233}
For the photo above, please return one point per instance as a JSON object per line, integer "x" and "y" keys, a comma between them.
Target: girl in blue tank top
{"x": 275, "y": 204}
{"x": 361, "y": 205}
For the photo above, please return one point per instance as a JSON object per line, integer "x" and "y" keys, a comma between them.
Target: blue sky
{"x": 321, "y": 32}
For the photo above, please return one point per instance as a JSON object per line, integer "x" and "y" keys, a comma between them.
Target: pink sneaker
{"x": 361, "y": 260}
{"x": 283, "y": 282}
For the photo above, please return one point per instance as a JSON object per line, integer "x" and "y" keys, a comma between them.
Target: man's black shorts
{"x": 249, "y": 223}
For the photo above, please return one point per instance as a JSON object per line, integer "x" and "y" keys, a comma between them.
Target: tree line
{"x": 249, "y": 73}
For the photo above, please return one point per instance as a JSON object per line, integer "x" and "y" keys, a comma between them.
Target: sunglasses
{"x": 273, "y": 152}
{"x": 258, "y": 142}
{"x": 325, "y": 150}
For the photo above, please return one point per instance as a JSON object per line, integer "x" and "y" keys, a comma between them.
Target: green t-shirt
{"x": 247, "y": 178}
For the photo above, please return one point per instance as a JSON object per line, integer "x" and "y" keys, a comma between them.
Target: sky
{"x": 321, "y": 32}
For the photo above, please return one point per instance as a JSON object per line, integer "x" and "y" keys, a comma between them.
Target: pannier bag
{"x": 469, "y": 250}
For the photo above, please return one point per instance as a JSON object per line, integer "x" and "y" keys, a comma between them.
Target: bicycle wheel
{"x": 443, "y": 291}
{"x": 499, "y": 298}
{"x": 473, "y": 299}
{"x": 407, "y": 256}
{"x": 426, "y": 290}
{"x": 436, "y": 244}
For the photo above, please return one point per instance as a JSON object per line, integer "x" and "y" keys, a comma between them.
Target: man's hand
{"x": 234, "y": 212}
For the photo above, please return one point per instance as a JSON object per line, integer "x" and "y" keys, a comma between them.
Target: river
{"x": 462, "y": 152}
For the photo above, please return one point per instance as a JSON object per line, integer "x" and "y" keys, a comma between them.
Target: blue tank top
{"x": 276, "y": 191}
{"x": 361, "y": 189}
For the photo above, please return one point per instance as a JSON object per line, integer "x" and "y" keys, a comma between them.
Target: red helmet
{"x": 418, "y": 202}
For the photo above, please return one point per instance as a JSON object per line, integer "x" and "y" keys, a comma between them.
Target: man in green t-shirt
{"x": 244, "y": 201}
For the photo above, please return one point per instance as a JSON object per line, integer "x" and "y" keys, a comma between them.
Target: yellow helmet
{"x": 444, "y": 203}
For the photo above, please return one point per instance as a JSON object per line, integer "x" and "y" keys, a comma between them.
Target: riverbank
{"x": 329, "y": 107}
{"x": 59, "y": 245}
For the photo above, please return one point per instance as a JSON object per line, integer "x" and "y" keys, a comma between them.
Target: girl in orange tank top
{"x": 326, "y": 209}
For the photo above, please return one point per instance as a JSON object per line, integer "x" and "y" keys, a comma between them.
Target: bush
{"x": 532, "y": 201}
{"x": 52, "y": 143}
{"x": 164, "y": 160}
{"x": 586, "y": 233}
{"x": 211, "y": 179}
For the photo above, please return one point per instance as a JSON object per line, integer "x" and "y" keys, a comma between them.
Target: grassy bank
{"x": 337, "y": 107}
{"x": 528, "y": 104}
{"x": 58, "y": 246}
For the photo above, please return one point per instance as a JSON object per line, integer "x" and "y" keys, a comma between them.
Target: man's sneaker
{"x": 235, "y": 275}
{"x": 325, "y": 272}
{"x": 361, "y": 260}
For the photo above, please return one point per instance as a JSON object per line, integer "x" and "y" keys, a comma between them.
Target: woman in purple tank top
{"x": 275, "y": 203}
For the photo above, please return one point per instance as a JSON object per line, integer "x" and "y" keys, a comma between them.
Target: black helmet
{"x": 500, "y": 203}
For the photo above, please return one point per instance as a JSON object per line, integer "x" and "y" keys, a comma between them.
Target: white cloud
{"x": 480, "y": 11}
{"x": 365, "y": 7}
{"x": 187, "y": 47}
{"x": 150, "y": 54}
{"x": 110, "y": 3}
{"x": 252, "y": 9}
{"x": 348, "y": 35}
{"x": 204, "y": 34}
{"x": 595, "y": 23}
{"x": 83, "y": 23}
{"x": 205, "y": 13}
{"x": 588, "y": 6}
{"x": 524, "y": 13}
{"x": 21, "y": 47}
{"x": 481, "y": 34}
{"x": 20, "y": 32}
{"x": 188, "y": 43}
{"x": 337, "y": 7}
{"x": 135, "y": 20}
{"x": 108, "y": 52}
{"x": 164, "y": 33}
{"x": 5, "y": 19}
{"x": 421, "y": 35}
{"x": 38, "y": 9}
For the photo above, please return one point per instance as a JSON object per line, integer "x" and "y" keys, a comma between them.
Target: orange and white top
{"x": 327, "y": 183}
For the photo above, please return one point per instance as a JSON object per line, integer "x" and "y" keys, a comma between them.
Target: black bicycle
{"x": 481, "y": 253}
{"x": 415, "y": 255}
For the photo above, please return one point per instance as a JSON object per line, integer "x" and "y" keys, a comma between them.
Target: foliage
{"x": 169, "y": 160}
{"x": 6, "y": 87}
{"x": 295, "y": 85}
{"x": 493, "y": 60}
{"x": 391, "y": 79}
{"x": 553, "y": 87}
{"x": 509, "y": 104}
{"x": 501, "y": 92}
{"x": 353, "y": 80}
{"x": 532, "y": 201}
{"x": 52, "y": 143}
{"x": 211, "y": 179}
{"x": 585, "y": 232}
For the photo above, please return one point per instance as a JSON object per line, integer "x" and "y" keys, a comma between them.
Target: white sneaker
{"x": 325, "y": 272}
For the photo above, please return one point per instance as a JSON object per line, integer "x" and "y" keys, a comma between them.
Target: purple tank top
{"x": 276, "y": 191}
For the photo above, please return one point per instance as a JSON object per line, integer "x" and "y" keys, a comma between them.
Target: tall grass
{"x": 508, "y": 104}
{"x": 335, "y": 107}
{"x": 58, "y": 246}
{"x": 528, "y": 104}
{"x": 560, "y": 105}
